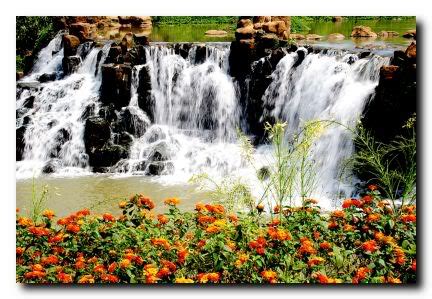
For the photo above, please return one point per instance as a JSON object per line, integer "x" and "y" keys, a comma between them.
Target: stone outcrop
{"x": 84, "y": 31}
{"x": 386, "y": 34}
{"x": 116, "y": 82}
{"x": 313, "y": 37}
{"x": 336, "y": 36}
{"x": 216, "y": 32}
{"x": 70, "y": 44}
{"x": 363, "y": 31}
{"x": 410, "y": 34}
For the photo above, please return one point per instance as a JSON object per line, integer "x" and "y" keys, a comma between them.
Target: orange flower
{"x": 34, "y": 274}
{"x": 80, "y": 263}
{"x": 19, "y": 250}
{"x": 322, "y": 278}
{"x": 181, "y": 255}
{"x": 279, "y": 234}
{"x": 162, "y": 219}
{"x": 172, "y": 201}
{"x": 269, "y": 276}
{"x": 48, "y": 214}
{"x": 213, "y": 277}
{"x": 112, "y": 267}
{"x": 260, "y": 207}
{"x": 233, "y": 218}
{"x": 325, "y": 245}
{"x": 151, "y": 279}
{"x": 338, "y": 214}
{"x": 37, "y": 267}
{"x": 86, "y": 279}
{"x": 276, "y": 209}
{"x": 145, "y": 202}
{"x": 361, "y": 274}
{"x": 122, "y": 204}
{"x": 50, "y": 260}
{"x": 370, "y": 246}
{"x": 373, "y": 217}
{"x": 349, "y": 202}
{"x": 110, "y": 278}
{"x": 163, "y": 272}
{"x": 99, "y": 269}
{"x": 315, "y": 261}
{"x": 108, "y": 217}
{"x": 57, "y": 238}
{"x": 372, "y": 187}
{"x": 201, "y": 243}
{"x": 170, "y": 265}
{"x": 400, "y": 256}
{"x": 125, "y": 263}
{"x": 73, "y": 228}
{"x": 212, "y": 229}
{"x": 348, "y": 228}
{"x": 408, "y": 218}
{"x": 64, "y": 278}
{"x": 206, "y": 219}
{"x": 39, "y": 231}
{"x": 242, "y": 258}
{"x": 409, "y": 209}
{"x": 367, "y": 199}
{"x": 306, "y": 247}
{"x": 24, "y": 221}
{"x": 275, "y": 222}
{"x": 393, "y": 280}
{"x": 414, "y": 265}
{"x": 183, "y": 280}
{"x": 332, "y": 225}
{"x": 82, "y": 213}
{"x": 161, "y": 242}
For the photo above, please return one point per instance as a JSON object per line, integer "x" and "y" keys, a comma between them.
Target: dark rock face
{"x": 145, "y": 99}
{"x": 28, "y": 103}
{"x": 158, "y": 168}
{"x": 70, "y": 64}
{"x": 47, "y": 77}
{"x": 108, "y": 155}
{"x": 116, "y": 83}
{"x": 131, "y": 123}
{"x": 70, "y": 44}
{"x": 97, "y": 132}
{"x": 20, "y": 142}
{"x": 395, "y": 98}
{"x": 51, "y": 166}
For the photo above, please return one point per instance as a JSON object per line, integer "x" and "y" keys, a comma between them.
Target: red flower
{"x": 414, "y": 265}
{"x": 112, "y": 267}
{"x": 325, "y": 245}
{"x": 367, "y": 199}
{"x": 73, "y": 228}
{"x": 108, "y": 217}
{"x": 408, "y": 218}
{"x": 361, "y": 274}
{"x": 145, "y": 202}
{"x": 370, "y": 246}
{"x": 110, "y": 278}
{"x": 372, "y": 187}
{"x": 162, "y": 219}
{"x": 50, "y": 260}
{"x": 64, "y": 278}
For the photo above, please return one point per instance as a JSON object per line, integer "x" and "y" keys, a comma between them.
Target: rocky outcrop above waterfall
{"x": 395, "y": 96}
{"x": 363, "y": 31}
{"x": 116, "y": 82}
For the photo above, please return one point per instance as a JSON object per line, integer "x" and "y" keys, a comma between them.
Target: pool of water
{"x": 102, "y": 193}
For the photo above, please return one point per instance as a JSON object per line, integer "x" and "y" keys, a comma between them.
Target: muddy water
{"x": 101, "y": 193}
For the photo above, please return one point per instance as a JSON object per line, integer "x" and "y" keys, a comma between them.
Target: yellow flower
{"x": 183, "y": 280}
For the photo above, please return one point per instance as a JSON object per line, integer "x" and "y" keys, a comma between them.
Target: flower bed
{"x": 364, "y": 242}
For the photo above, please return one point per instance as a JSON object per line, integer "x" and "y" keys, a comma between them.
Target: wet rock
{"x": 20, "y": 142}
{"x": 261, "y": 19}
{"x": 245, "y": 33}
{"x": 114, "y": 55}
{"x": 389, "y": 72}
{"x": 28, "y": 102}
{"x": 88, "y": 111}
{"x": 116, "y": 83}
{"x": 108, "y": 155}
{"x": 84, "y": 31}
{"x": 182, "y": 49}
{"x": 364, "y": 54}
{"x": 313, "y": 37}
{"x": 141, "y": 39}
{"x": 297, "y": 36}
{"x": 159, "y": 168}
{"x": 242, "y": 23}
{"x": 386, "y": 34}
{"x": 70, "y": 44}
{"x": 216, "y": 32}
{"x": 51, "y": 166}
{"x": 410, "y": 34}
{"x": 276, "y": 27}
{"x": 47, "y": 77}
{"x": 160, "y": 152}
{"x": 363, "y": 31}
{"x": 141, "y": 22}
{"x": 70, "y": 64}
{"x": 124, "y": 139}
{"x": 132, "y": 123}
{"x": 127, "y": 42}
{"x": 300, "y": 57}
{"x": 411, "y": 52}
{"x": 85, "y": 48}
{"x": 336, "y": 36}
{"x": 97, "y": 132}
{"x": 108, "y": 113}
{"x": 145, "y": 99}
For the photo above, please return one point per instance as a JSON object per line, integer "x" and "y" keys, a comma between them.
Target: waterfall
{"x": 332, "y": 86}
{"x": 55, "y": 122}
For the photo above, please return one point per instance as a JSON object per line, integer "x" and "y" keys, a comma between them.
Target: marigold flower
{"x": 19, "y": 250}
{"x": 162, "y": 219}
{"x": 110, "y": 278}
{"x": 279, "y": 234}
{"x": 348, "y": 228}
{"x": 64, "y": 278}
{"x": 170, "y": 265}
{"x": 183, "y": 280}
{"x": 212, "y": 229}
{"x": 145, "y": 202}
{"x": 414, "y": 265}
{"x": 370, "y": 246}
{"x": 349, "y": 202}
{"x": 408, "y": 218}
{"x": 322, "y": 278}
{"x": 181, "y": 255}
{"x": 373, "y": 217}
{"x": 274, "y": 222}
{"x": 276, "y": 209}
{"x": 150, "y": 270}
{"x": 80, "y": 264}
{"x": 37, "y": 267}
{"x": 34, "y": 274}
{"x": 409, "y": 209}
{"x": 48, "y": 214}
{"x": 82, "y": 213}
{"x": 108, "y": 217}
{"x": 73, "y": 228}
{"x": 112, "y": 267}
{"x": 151, "y": 279}
{"x": 399, "y": 255}
{"x": 260, "y": 207}
{"x": 200, "y": 207}
{"x": 332, "y": 224}
{"x": 164, "y": 271}
{"x": 25, "y": 221}
{"x": 50, "y": 260}
{"x": 86, "y": 279}
{"x": 206, "y": 219}
{"x": 122, "y": 204}
{"x": 325, "y": 245}
{"x": 393, "y": 280}
{"x": 125, "y": 263}
{"x": 99, "y": 268}
{"x": 316, "y": 234}
{"x": 56, "y": 239}
{"x": 338, "y": 214}
{"x": 269, "y": 276}
{"x": 361, "y": 274}
{"x": 233, "y": 218}
{"x": 367, "y": 199}
{"x": 213, "y": 277}
{"x": 161, "y": 242}
{"x": 379, "y": 235}
{"x": 372, "y": 187}
{"x": 306, "y": 247}
{"x": 201, "y": 243}
{"x": 316, "y": 260}
{"x": 172, "y": 201}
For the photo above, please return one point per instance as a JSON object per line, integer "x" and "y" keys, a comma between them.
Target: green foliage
{"x": 38, "y": 202}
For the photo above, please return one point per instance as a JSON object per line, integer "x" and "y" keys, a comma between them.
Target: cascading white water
{"x": 56, "y": 127}
{"x": 324, "y": 87}
{"x": 196, "y": 112}
{"x": 49, "y": 58}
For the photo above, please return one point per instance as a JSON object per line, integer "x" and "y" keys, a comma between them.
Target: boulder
{"x": 70, "y": 64}
{"x": 388, "y": 72}
{"x": 411, "y": 52}
{"x": 313, "y": 37}
{"x": 160, "y": 152}
{"x": 141, "y": 39}
{"x": 262, "y": 19}
{"x": 20, "y": 142}
{"x": 277, "y": 27}
{"x": 268, "y": 41}
{"x": 51, "y": 166}
{"x": 337, "y": 19}
{"x": 336, "y": 36}
{"x": 140, "y": 22}
{"x": 124, "y": 20}
{"x": 363, "y": 31}
{"x": 132, "y": 123}
{"x": 386, "y": 34}
{"x": 245, "y": 33}
{"x": 97, "y": 132}
{"x": 410, "y": 34}
{"x": 127, "y": 42}
{"x": 19, "y": 75}
{"x": 145, "y": 99}
{"x": 28, "y": 102}
{"x": 116, "y": 83}
{"x": 108, "y": 113}
{"x": 297, "y": 36}
{"x": 159, "y": 168}
{"x": 47, "y": 77}
{"x": 216, "y": 32}
{"x": 244, "y": 23}
{"x": 70, "y": 44}
{"x": 84, "y": 31}
{"x": 124, "y": 139}
{"x": 257, "y": 26}
{"x": 107, "y": 156}
{"x": 285, "y": 19}
{"x": 114, "y": 55}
